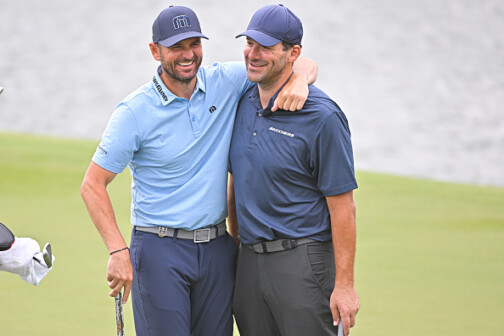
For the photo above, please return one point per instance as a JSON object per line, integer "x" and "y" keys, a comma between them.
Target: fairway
{"x": 430, "y": 255}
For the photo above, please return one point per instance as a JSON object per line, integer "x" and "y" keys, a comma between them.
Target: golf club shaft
{"x": 119, "y": 315}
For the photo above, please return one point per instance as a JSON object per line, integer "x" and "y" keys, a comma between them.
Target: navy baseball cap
{"x": 174, "y": 24}
{"x": 272, "y": 24}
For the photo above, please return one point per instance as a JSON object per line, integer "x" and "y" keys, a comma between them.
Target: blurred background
{"x": 421, "y": 82}
{"x": 422, "y": 85}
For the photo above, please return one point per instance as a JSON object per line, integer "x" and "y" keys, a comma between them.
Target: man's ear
{"x": 155, "y": 51}
{"x": 295, "y": 52}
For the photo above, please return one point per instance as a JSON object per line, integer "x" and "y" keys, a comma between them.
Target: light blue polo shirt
{"x": 176, "y": 149}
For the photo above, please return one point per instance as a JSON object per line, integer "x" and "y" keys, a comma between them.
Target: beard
{"x": 170, "y": 70}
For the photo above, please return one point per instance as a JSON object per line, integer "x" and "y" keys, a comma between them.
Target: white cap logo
{"x": 181, "y": 21}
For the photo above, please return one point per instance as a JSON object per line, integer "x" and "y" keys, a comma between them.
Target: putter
{"x": 47, "y": 255}
{"x": 340, "y": 329}
{"x": 119, "y": 315}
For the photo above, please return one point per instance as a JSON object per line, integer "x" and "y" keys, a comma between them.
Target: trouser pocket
{"x": 321, "y": 260}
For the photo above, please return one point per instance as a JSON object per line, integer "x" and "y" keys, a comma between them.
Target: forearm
{"x": 94, "y": 193}
{"x": 343, "y": 229}
{"x": 344, "y": 240}
{"x": 101, "y": 212}
{"x": 306, "y": 68}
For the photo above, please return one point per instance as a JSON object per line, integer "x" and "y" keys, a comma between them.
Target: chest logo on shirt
{"x": 279, "y": 131}
{"x": 212, "y": 109}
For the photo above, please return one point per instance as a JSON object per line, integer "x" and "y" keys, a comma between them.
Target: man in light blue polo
{"x": 174, "y": 134}
{"x": 293, "y": 178}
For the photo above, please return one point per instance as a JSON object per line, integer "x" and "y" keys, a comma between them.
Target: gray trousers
{"x": 285, "y": 293}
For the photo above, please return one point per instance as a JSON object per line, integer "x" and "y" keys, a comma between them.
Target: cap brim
{"x": 260, "y": 37}
{"x": 179, "y": 37}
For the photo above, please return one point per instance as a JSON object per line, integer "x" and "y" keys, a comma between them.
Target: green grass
{"x": 430, "y": 255}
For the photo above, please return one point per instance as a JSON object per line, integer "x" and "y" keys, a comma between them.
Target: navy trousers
{"x": 181, "y": 288}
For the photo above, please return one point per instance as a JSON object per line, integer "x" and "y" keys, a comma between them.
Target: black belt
{"x": 278, "y": 245}
{"x": 197, "y": 236}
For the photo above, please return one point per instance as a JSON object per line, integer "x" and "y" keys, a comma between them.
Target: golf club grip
{"x": 119, "y": 315}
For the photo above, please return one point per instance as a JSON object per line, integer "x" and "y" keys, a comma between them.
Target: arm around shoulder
{"x": 295, "y": 92}
{"x": 307, "y": 68}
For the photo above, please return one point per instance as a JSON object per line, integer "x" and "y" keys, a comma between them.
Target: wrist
{"x": 119, "y": 250}
{"x": 344, "y": 283}
{"x": 300, "y": 76}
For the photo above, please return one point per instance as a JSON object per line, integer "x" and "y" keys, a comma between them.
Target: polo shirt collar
{"x": 166, "y": 95}
{"x": 256, "y": 99}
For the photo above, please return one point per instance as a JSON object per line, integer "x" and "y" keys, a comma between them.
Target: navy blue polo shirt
{"x": 285, "y": 163}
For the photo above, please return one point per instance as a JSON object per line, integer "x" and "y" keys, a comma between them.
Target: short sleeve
{"x": 331, "y": 156}
{"x": 237, "y": 74}
{"x": 119, "y": 142}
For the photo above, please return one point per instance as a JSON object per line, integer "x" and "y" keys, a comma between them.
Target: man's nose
{"x": 188, "y": 53}
{"x": 254, "y": 52}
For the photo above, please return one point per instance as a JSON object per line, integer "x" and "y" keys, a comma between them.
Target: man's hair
{"x": 286, "y": 45}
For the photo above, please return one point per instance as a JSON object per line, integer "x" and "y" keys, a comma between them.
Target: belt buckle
{"x": 162, "y": 231}
{"x": 289, "y": 244}
{"x": 201, "y": 236}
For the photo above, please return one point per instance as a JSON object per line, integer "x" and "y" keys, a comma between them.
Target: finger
{"x": 287, "y": 104}
{"x": 113, "y": 283}
{"x": 335, "y": 315}
{"x": 275, "y": 105}
{"x": 127, "y": 290}
{"x": 116, "y": 289}
{"x": 300, "y": 104}
{"x": 345, "y": 321}
{"x": 293, "y": 107}
{"x": 113, "y": 292}
{"x": 353, "y": 316}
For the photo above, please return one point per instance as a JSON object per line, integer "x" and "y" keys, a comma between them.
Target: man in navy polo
{"x": 174, "y": 134}
{"x": 291, "y": 202}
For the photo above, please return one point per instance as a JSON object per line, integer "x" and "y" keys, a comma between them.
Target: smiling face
{"x": 181, "y": 61}
{"x": 265, "y": 65}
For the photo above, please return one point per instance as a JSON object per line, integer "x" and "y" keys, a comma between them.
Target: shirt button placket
{"x": 259, "y": 114}
{"x": 194, "y": 122}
